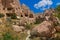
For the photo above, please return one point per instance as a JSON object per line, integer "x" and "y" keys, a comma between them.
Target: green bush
{"x": 28, "y": 26}
{"x": 13, "y": 16}
{"x": 57, "y": 15}
{"x": 58, "y": 8}
{"x": 1, "y": 15}
{"x": 7, "y": 36}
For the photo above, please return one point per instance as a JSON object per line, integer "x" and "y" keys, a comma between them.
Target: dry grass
{"x": 6, "y": 27}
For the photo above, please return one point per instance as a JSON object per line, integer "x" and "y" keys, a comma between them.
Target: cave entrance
{"x": 26, "y": 15}
{"x": 31, "y": 16}
{"x": 12, "y": 15}
{"x": 9, "y": 14}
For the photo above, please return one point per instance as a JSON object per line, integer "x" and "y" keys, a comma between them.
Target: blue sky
{"x": 40, "y": 5}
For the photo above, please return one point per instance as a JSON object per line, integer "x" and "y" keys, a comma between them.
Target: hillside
{"x": 18, "y": 22}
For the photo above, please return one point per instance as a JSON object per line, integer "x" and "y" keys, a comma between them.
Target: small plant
{"x": 1, "y": 15}
{"x": 8, "y": 22}
{"x": 28, "y": 26}
{"x": 8, "y": 19}
{"x": 13, "y": 16}
{"x": 7, "y": 36}
{"x": 57, "y": 15}
{"x": 58, "y": 8}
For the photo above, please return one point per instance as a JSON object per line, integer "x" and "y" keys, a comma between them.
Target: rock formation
{"x": 10, "y": 6}
{"x": 45, "y": 29}
{"x": 13, "y": 6}
{"x": 26, "y": 12}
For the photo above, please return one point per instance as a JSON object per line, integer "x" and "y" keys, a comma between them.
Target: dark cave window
{"x": 31, "y": 16}
{"x": 3, "y": 8}
{"x": 12, "y": 15}
{"x": 26, "y": 15}
{"x": 8, "y": 14}
{"x": 21, "y": 15}
{"x": 9, "y": 8}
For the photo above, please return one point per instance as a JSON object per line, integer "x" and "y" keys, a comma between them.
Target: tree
{"x": 57, "y": 11}
{"x": 58, "y": 8}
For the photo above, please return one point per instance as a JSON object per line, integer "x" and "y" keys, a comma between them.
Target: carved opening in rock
{"x": 9, "y": 8}
{"x": 26, "y": 15}
{"x": 31, "y": 16}
{"x": 8, "y": 14}
{"x": 3, "y": 8}
{"x": 12, "y": 15}
{"x": 21, "y": 15}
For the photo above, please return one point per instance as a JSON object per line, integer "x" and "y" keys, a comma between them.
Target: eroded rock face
{"x": 10, "y": 6}
{"x": 49, "y": 12}
{"x": 13, "y": 6}
{"x": 45, "y": 29}
{"x": 26, "y": 20}
{"x": 6, "y": 3}
{"x": 57, "y": 28}
{"x": 18, "y": 28}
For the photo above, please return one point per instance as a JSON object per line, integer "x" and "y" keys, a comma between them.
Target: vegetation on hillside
{"x": 58, "y": 9}
{"x": 57, "y": 14}
{"x": 1, "y": 15}
{"x": 7, "y": 32}
{"x": 14, "y": 16}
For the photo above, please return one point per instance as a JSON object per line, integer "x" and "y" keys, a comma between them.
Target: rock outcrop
{"x": 18, "y": 28}
{"x": 10, "y": 6}
{"x": 45, "y": 29}
{"x": 57, "y": 28}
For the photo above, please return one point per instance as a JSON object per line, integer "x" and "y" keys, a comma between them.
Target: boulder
{"x": 57, "y": 28}
{"x": 45, "y": 29}
{"x": 18, "y": 28}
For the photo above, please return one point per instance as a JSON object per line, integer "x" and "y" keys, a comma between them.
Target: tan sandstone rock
{"x": 18, "y": 28}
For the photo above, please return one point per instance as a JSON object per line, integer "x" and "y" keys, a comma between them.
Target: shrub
{"x": 28, "y": 26}
{"x": 58, "y": 8}
{"x": 57, "y": 15}
{"x": 8, "y": 19}
{"x": 1, "y": 15}
{"x": 7, "y": 36}
{"x": 13, "y": 16}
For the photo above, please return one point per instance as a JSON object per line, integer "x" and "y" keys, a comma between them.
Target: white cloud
{"x": 58, "y": 4}
{"x": 43, "y": 4}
